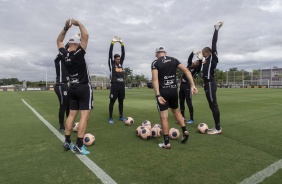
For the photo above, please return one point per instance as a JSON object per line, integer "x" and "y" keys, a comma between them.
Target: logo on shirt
{"x": 166, "y": 60}
{"x": 168, "y": 82}
{"x": 168, "y": 77}
{"x": 120, "y": 79}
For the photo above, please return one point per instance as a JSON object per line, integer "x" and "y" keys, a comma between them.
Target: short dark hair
{"x": 116, "y": 55}
{"x": 207, "y": 49}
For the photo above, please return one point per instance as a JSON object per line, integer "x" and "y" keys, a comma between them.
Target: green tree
{"x": 128, "y": 75}
{"x": 140, "y": 78}
{"x": 234, "y": 69}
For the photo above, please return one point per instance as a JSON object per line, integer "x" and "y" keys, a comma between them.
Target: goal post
{"x": 97, "y": 84}
{"x": 260, "y": 83}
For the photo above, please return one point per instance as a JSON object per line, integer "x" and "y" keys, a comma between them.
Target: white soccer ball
{"x": 147, "y": 123}
{"x": 156, "y": 132}
{"x": 75, "y": 127}
{"x": 146, "y": 133}
{"x": 88, "y": 139}
{"x": 157, "y": 125}
{"x": 173, "y": 133}
{"x": 138, "y": 130}
{"x": 129, "y": 121}
{"x": 203, "y": 128}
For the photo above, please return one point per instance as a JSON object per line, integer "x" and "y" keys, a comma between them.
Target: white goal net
{"x": 256, "y": 83}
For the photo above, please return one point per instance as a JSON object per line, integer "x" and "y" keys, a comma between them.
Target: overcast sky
{"x": 251, "y": 37}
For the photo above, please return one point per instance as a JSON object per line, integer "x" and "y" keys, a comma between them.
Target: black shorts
{"x": 62, "y": 91}
{"x": 171, "y": 97}
{"x": 117, "y": 91}
{"x": 81, "y": 97}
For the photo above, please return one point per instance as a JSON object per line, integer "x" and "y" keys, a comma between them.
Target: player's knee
{"x": 112, "y": 101}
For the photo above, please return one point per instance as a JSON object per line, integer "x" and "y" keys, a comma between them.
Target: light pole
{"x": 46, "y": 78}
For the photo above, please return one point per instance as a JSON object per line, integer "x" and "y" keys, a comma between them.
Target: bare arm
{"x": 189, "y": 77}
{"x": 84, "y": 33}
{"x": 62, "y": 34}
{"x": 155, "y": 83}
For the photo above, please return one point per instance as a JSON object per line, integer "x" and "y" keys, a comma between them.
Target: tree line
{"x": 233, "y": 75}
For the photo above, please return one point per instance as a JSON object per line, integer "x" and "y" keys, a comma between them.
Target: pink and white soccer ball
{"x": 157, "y": 125}
{"x": 156, "y": 132}
{"x": 138, "y": 130}
{"x": 203, "y": 128}
{"x": 147, "y": 123}
{"x": 173, "y": 133}
{"x": 129, "y": 121}
{"x": 75, "y": 127}
{"x": 88, "y": 139}
{"x": 146, "y": 133}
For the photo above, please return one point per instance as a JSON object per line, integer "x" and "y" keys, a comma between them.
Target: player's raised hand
{"x": 120, "y": 40}
{"x": 75, "y": 22}
{"x": 68, "y": 24}
{"x": 218, "y": 25}
{"x": 200, "y": 55}
{"x": 195, "y": 51}
{"x": 115, "y": 39}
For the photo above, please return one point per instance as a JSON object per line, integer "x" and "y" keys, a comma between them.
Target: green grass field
{"x": 251, "y": 140}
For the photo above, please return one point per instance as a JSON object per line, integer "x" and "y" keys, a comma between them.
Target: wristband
{"x": 158, "y": 96}
{"x": 65, "y": 28}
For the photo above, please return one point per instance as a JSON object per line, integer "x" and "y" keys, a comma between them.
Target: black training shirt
{"x": 61, "y": 71}
{"x": 211, "y": 61}
{"x": 117, "y": 71}
{"x": 166, "y": 67}
{"x": 76, "y": 65}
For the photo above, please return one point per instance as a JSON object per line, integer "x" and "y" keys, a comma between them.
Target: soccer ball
{"x": 138, "y": 130}
{"x": 173, "y": 133}
{"x": 156, "y": 132}
{"x": 146, "y": 133}
{"x": 147, "y": 123}
{"x": 88, "y": 139}
{"x": 203, "y": 128}
{"x": 129, "y": 121}
{"x": 157, "y": 125}
{"x": 75, "y": 127}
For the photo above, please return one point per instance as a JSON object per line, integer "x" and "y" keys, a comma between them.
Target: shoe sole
{"x": 76, "y": 150}
{"x": 214, "y": 133}
{"x": 67, "y": 148}
{"x": 165, "y": 147}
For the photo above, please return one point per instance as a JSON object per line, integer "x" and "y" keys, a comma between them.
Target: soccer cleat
{"x": 68, "y": 146}
{"x": 190, "y": 121}
{"x": 80, "y": 150}
{"x": 218, "y": 25}
{"x": 111, "y": 120}
{"x": 62, "y": 130}
{"x": 165, "y": 146}
{"x": 214, "y": 131}
{"x": 122, "y": 119}
{"x": 185, "y": 137}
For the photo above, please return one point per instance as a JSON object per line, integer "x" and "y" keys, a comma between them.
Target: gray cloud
{"x": 249, "y": 38}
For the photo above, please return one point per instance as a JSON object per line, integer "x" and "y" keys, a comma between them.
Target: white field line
{"x": 261, "y": 175}
{"x": 103, "y": 176}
